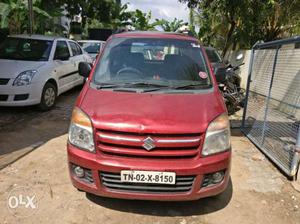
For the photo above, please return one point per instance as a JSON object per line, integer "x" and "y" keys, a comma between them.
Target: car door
{"x": 64, "y": 69}
{"x": 77, "y": 57}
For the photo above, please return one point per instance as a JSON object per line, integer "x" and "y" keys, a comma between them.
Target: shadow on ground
{"x": 23, "y": 127}
{"x": 171, "y": 209}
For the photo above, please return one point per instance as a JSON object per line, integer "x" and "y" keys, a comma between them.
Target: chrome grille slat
{"x": 146, "y": 188}
{"x": 111, "y": 175}
{"x": 184, "y": 178}
{"x": 136, "y": 145}
{"x": 119, "y": 181}
{"x": 113, "y": 181}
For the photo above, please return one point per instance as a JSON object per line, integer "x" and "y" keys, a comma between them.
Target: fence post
{"x": 296, "y": 158}
{"x": 269, "y": 95}
{"x": 248, "y": 84}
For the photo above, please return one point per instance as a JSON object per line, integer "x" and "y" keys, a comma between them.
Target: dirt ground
{"x": 258, "y": 192}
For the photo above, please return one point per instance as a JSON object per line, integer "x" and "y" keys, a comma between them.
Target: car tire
{"x": 48, "y": 97}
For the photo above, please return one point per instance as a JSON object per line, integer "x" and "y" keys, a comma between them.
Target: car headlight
{"x": 217, "y": 138}
{"x": 81, "y": 131}
{"x": 24, "y": 78}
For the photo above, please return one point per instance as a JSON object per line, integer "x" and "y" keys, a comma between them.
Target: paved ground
{"x": 258, "y": 192}
{"x": 23, "y": 129}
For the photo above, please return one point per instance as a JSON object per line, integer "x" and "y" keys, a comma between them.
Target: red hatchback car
{"x": 150, "y": 122}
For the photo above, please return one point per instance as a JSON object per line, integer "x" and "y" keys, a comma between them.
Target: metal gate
{"x": 272, "y": 111}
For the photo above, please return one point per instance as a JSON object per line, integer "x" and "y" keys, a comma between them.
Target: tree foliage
{"x": 121, "y": 17}
{"x": 240, "y": 23}
{"x": 14, "y": 15}
{"x": 141, "y": 20}
{"x": 103, "y": 10}
{"x": 169, "y": 26}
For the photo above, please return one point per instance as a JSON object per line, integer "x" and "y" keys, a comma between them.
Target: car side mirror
{"x": 220, "y": 74}
{"x": 84, "y": 69}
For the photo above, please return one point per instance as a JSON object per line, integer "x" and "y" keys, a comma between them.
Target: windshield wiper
{"x": 150, "y": 86}
{"x": 146, "y": 84}
{"x": 107, "y": 86}
{"x": 129, "y": 85}
{"x": 193, "y": 86}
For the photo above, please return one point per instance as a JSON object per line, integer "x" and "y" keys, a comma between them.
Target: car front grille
{"x": 112, "y": 181}
{"x": 4, "y": 81}
{"x": 132, "y": 144}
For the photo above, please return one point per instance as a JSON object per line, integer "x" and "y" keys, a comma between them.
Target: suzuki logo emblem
{"x": 149, "y": 143}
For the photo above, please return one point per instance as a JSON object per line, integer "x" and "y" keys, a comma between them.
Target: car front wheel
{"x": 48, "y": 97}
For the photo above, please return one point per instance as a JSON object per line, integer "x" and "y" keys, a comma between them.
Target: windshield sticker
{"x": 156, "y": 77}
{"x": 203, "y": 75}
{"x": 195, "y": 45}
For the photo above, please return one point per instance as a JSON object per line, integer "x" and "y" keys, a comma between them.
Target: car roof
{"x": 37, "y": 37}
{"x": 91, "y": 41}
{"x": 155, "y": 34}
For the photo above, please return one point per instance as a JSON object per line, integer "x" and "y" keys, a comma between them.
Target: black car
{"x": 215, "y": 58}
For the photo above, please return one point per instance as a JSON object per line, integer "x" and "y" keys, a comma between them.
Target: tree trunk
{"x": 228, "y": 37}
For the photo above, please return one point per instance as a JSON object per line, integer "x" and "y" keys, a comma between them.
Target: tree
{"x": 14, "y": 15}
{"x": 167, "y": 26}
{"x": 240, "y": 23}
{"x": 103, "y": 11}
{"x": 108, "y": 14}
{"x": 141, "y": 21}
{"x": 121, "y": 17}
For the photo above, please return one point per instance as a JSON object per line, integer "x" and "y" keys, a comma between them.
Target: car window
{"x": 154, "y": 52}
{"x": 91, "y": 47}
{"x": 62, "y": 50}
{"x": 136, "y": 59}
{"x": 25, "y": 49}
{"x": 213, "y": 56}
{"x": 76, "y": 50}
{"x": 79, "y": 50}
{"x": 73, "y": 48}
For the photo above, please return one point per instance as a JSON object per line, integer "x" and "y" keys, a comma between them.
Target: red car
{"x": 144, "y": 128}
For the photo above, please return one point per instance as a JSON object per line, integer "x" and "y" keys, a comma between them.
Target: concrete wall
{"x": 244, "y": 69}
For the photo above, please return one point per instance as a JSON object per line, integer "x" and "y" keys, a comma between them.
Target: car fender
{"x": 45, "y": 74}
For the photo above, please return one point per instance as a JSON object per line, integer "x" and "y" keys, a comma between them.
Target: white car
{"x": 92, "y": 47}
{"x": 36, "y": 69}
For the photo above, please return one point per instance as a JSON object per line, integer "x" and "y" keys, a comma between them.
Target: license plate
{"x": 151, "y": 177}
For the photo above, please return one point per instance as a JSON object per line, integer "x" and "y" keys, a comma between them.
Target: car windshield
{"x": 152, "y": 62}
{"x": 213, "y": 56}
{"x": 25, "y": 49}
{"x": 91, "y": 47}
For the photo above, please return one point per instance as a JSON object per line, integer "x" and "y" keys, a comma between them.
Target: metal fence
{"x": 272, "y": 112}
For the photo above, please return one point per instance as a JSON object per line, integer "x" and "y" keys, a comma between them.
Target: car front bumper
{"x": 197, "y": 167}
{"x": 20, "y": 95}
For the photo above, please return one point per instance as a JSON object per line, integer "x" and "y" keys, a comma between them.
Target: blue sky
{"x": 167, "y": 9}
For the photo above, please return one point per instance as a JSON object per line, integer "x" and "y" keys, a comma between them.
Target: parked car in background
{"x": 92, "y": 47}
{"x": 215, "y": 58}
{"x": 147, "y": 127}
{"x": 36, "y": 69}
